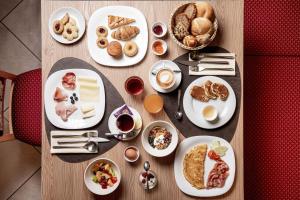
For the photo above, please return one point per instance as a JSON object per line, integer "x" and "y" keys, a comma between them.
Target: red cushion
{"x": 26, "y": 107}
{"x": 272, "y": 133}
{"x": 272, "y": 27}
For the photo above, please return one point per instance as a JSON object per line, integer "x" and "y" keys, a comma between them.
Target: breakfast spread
{"x": 104, "y": 174}
{"x": 192, "y": 24}
{"x": 209, "y": 91}
{"x": 66, "y": 27}
{"x": 159, "y": 137}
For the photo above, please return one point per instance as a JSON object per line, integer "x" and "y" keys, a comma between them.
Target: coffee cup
{"x": 125, "y": 123}
{"x": 165, "y": 78}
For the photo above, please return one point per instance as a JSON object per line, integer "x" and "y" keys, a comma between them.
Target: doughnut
{"x": 130, "y": 49}
{"x": 101, "y": 31}
{"x": 102, "y": 42}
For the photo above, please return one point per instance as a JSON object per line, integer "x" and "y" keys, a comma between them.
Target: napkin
{"x": 215, "y": 72}
{"x": 69, "y": 150}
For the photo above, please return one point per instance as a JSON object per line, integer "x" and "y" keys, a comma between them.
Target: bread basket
{"x": 171, "y": 25}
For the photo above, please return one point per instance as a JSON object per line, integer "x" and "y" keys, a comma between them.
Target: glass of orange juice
{"x": 153, "y": 103}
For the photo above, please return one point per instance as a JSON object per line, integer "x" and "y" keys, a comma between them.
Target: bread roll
{"x": 203, "y": 39}
{"x": 190, "y": 41}
{"x": 190, "y": 11}
{"x": 114, "y": 49}
{"x": 204, "y": 9}
{"x": 201, "y": 25}
{"x": 182, "y": 18}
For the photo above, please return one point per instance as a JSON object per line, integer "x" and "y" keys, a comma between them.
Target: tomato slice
{"x": 213, "y": 155}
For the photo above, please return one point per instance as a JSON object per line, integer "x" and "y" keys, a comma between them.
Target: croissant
{"x": 125, "y": 33}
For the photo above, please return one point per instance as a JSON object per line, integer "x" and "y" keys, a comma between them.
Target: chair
{"x": 24, "y": 112}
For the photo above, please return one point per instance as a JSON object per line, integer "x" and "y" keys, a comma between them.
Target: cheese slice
{"x": 86, "y": 79}
{"x": 87, "y": 108}
{"x": 89, "y": 114}
{"x": 91, "y": 86}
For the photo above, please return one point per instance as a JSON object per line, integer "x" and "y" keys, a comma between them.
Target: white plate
{"x": 100, "y": 18}
{"x": 73, "y": 13}
{"x": 158, "y": 65}
{"x": 95, "y": 187}
{"x": 75, "y": 121}
{"x": 156, "y": 152}
{"x": 184, "y": 147}
{"x": 113, "y": 128}
{"x": 193, "y": 108}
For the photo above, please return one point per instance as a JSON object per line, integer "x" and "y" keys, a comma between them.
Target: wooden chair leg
{"x": 7, "y": 137}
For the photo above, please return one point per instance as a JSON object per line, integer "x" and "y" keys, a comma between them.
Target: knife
{"x": 195, "y": 63}
{"x": 96, "y": 139}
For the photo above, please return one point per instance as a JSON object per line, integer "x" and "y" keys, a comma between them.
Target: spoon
{"x": 178, "y": 114}
{"x": 90, "y": 146}
{"x": 112, "y": 134}
{"x": 147, "y": 167}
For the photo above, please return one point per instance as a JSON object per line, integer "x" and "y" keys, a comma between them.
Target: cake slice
{"x": 117, "y": 21}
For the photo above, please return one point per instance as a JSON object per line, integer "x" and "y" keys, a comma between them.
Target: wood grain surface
{"x": 62, "y": 180}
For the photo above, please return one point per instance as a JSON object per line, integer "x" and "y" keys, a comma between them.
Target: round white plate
{"x": 161, "y": 64}
{"x": 163, "y": 152}
{"x": 75, "y": 121}
{"x": 95, "y": 187}
{"x": 73, "y": 13}
{"x": 184, "y": 147}
{"x": 113, "y": 128}
{"x": 100, "y": 18}
{"x": 193, "y": 108}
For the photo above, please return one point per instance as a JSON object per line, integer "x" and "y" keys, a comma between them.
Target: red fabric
{"x": 272, "y": 27}
{"x": 26, "y": 107}
{"x": 272, "y": 133}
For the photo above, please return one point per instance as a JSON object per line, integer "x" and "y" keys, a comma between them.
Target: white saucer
{"x": 73, "y": 13}
{"x": 113, "y": 128}
{"x": 161, "y": 64}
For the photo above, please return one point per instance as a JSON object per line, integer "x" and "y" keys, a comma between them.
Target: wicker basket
{"x": 171, "y": 25}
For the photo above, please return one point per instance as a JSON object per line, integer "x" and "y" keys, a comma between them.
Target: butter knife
{"x": 97, "y": 139}
{"x": 195, "y": 63}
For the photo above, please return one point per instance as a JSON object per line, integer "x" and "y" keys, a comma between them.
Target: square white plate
{"x": 184, "y": 147}
{"x": 75, "y": 121}
{"x": 100, "y": 18}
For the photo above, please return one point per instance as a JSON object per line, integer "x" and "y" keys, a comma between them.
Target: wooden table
{"x": 62, "y": 180}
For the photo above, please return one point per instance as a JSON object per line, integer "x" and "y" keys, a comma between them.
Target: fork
{"x": 198, "y": 68}
{"x": 85, "y": 134}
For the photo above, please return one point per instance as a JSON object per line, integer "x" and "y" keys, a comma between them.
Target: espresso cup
{"x": 165, "y": 78}
{"x": 125, "y": 123}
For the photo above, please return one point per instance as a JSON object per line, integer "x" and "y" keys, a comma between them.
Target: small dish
{"x": 159, "y": 47}
{"x": 127, "y": 157}
{"x": 95, "y": 187}
{"x": 160, "y": 152}
{"x": 152, "y": 179}
{"x": 159, "y": 29}
{"x": 210, "y": 113}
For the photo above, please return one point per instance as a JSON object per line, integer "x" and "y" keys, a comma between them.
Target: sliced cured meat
{"x": 208, "y": 91}
{"x": 218, "y": 175}
{"x": 69, "y": 81}
{"x": 198, "y": 93}
{"x": 64, "y": 111}
{"x": 60, "y": 95}
{"x": 220, "y": 90}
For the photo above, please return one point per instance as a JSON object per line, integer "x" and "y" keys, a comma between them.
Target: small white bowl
{"x": 157, "y": 152}
{"x": 137, "y": 151}
{"x": 164, "y": 29}
{"x": 214, "y": 114}
{"x": 164, "y": 45}
{"x": 95, "y": 187}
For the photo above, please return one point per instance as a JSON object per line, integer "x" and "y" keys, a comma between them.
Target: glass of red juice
{"x": 134, "y": 85}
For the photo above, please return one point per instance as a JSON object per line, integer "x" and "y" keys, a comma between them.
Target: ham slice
{"x": 218, "y": 175}
{"x": 69, "y": 81}
{"x": 60, "y": 95}
{"x": 64, "y": 111}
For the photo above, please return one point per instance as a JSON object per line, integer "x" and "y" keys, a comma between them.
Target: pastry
{"x": 182, "y": 18}
{"x": 101, "y": 31}
{"x": 190, "y": 41}
{"x": 193, "y": 166}
{"x": 198, "y": 92}
{"x": 102, "y": 42}
{"x": 117, "y": 21}
{"x": 203, "y": 39}
{"x": 190, "y": 11}
{"x": 70, "y": 32}
{"x": 114, "y": 49}
{"x": 72, "y": 21}
{"x": 208, "y": 90}
{"x": 200, "y": 26}
{"x": 65, "y": 19}
{"x": 180, "y": 31}
{"x": 58, "y": 27}
{"x": 125, "y": 33}
{"x": 220, "y": 90}
{"x": 130, "y": 49}
{"x": 204, "y": 9}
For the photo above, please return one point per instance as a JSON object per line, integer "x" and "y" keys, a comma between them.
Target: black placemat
{"x": 186, "y": 127}
{"x": 112, "y": 100}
